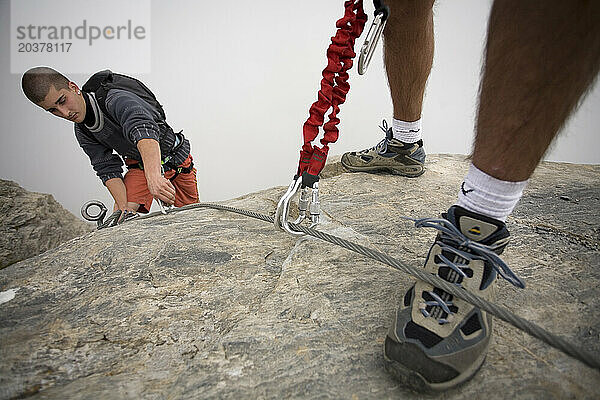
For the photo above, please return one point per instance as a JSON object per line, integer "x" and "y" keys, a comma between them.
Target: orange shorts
{"x": 186, "y": 186}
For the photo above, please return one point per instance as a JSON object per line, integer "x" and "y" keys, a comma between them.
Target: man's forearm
{"x": 117, "y": 190}
{"x": 150, "y": 151}
{"x": 158, "y": 186}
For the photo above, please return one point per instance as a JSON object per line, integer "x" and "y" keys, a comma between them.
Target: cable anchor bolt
{"x": 98, "y": 218}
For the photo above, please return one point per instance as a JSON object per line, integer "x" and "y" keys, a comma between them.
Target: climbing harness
{"x": 334, "y": 88}
{"x": 165, "y": 162}
{"x": 178, "y": 170}
{"x": 182, "y": 170}
{"x": 367, "y": 50}
{"x": 503, "y": 313}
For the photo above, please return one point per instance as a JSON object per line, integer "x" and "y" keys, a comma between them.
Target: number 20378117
{"x": 44, "y": 47}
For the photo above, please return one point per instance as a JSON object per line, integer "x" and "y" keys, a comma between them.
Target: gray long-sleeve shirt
{"x": 135, "y": 120}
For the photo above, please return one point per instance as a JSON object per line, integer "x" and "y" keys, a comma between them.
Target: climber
{"x": 114, "y": 112}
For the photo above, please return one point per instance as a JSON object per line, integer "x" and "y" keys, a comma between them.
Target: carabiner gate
{"x": 283, "y": 207}
{"x": 375, "y": 31}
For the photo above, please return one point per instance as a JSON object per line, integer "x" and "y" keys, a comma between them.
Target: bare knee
{"x": 408, "y": 16}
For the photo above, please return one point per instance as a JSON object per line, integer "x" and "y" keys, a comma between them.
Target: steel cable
{"x": 495, "y": 310}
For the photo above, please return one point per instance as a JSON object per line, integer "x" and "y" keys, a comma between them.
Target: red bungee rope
{"x": 334, "y": 88}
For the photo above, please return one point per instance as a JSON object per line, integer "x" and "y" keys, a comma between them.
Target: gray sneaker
{"x": 390, "y": 155}
{"x": 438, "y": 341}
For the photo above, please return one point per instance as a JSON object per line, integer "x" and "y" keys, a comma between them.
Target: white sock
{"x": 484, "y": 194}
{"x": 407, "y": 132}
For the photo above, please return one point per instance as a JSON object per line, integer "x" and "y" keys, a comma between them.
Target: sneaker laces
{"x": 478, "y": 251}
{"x": 381, "y": 147}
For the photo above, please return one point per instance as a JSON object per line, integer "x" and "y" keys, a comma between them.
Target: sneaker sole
{"x": 408, "y": 171}
{"x": 418, "y": 383}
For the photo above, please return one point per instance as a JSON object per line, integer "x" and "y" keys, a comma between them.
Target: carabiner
{"x": 303, "y": 203}
{"x": 283, "y": 207}
{"x": 375, "y": 31}
{"x": 163, "y": 206}
{"x": 315, "y": 205}
{"x": 308, "y": 203}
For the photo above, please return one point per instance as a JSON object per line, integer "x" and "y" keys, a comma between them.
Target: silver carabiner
{"x": 315, "y": 205}
{"x": 308, "y": 205}
{"x": 368, "y": 47}
{"x": 163, "y": 208}
{"x": 309, "y": 201}
{"x": 283, "y": 207}
{"x": 303, "y": 203}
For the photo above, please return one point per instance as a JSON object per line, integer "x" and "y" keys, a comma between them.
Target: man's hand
{"x": 161, "y": 188}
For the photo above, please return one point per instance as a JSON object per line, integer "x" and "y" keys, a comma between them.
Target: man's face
{"x": 65, "y": 103}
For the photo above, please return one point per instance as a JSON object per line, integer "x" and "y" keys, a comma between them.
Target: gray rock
{"x": 31, "y": 223}
{"x": 209, "y": 304}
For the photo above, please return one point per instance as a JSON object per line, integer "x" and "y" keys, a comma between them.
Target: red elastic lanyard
{"x": 334, "y": 87}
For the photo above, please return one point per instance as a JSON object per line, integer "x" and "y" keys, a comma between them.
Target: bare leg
{"x": 408, "y": 54}
{"x": 540, "y": 59}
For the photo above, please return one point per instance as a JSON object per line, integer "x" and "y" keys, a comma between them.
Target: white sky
{"x": 239, "y": 78}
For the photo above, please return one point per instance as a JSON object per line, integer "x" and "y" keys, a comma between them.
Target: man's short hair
{"x": 36, "y": 83}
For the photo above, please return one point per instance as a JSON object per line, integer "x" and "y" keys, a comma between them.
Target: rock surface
{"x": 209, "y": 304}
{"x": 31, "y": 223}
